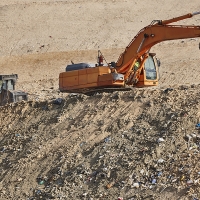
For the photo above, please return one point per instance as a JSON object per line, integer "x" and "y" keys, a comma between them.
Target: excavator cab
{"x": 150, "y": 69}
{"x": 8, "y": 94}
{"x": 147, "y": 72}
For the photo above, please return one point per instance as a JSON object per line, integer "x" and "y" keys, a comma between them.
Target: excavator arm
{"x": 149, "y": 36}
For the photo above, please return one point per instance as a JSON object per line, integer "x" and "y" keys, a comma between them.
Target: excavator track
{"x": 93, "y": 91}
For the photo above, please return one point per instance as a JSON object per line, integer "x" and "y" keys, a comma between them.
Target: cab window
{"x": 10, "y": 85}
{"x": 150, "y": 69}
{"x": 1, "y": 84}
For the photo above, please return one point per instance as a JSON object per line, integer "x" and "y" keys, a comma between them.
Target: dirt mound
{"x": 141, "y": 144}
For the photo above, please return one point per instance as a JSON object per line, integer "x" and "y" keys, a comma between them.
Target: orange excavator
{"x": 136, "y": 66}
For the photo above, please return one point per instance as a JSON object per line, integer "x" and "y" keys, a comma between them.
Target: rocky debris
{"x": 142, "y": 144}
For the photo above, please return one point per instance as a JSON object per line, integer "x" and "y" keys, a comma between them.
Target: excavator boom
{"x": 152, "y": 35}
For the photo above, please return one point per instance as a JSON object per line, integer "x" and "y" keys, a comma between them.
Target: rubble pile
{"x": 140, "y": 144}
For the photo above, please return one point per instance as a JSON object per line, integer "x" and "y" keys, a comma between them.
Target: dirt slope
{"x": 142, "y": 144}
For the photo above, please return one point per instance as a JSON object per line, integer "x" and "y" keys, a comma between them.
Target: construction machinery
{"x": 8, "y": 94}
{"x": 136, "y": 66}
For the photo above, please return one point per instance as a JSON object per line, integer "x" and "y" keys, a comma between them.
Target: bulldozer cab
{"x": 7, "y": 85}
{"x": 7, "y": 82}
{"x": 8, "y": 94}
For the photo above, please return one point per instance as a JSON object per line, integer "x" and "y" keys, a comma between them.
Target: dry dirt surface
{"x": 133, "y": 145}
